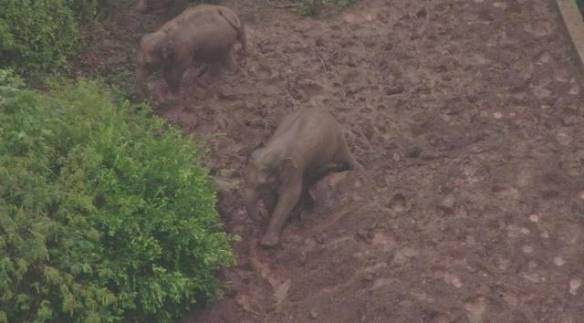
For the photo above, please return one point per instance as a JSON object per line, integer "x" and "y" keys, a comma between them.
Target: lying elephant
{"x": 307, "y": 145}
{"x": 203, "y": 33}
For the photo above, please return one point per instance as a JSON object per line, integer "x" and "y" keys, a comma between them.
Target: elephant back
{"x": 202, "y": 14}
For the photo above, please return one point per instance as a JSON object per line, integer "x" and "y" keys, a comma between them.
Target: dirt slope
{"x": 468, "y": 118}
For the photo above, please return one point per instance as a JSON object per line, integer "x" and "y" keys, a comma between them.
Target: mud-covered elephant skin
{"x": 202, "y": 33}
{"x": 307, "y": 145}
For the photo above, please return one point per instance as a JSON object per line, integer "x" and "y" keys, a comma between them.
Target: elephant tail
{"x": 238, "y": 26}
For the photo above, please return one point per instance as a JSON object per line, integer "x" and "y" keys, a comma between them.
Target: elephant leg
{"x": 309, "y": 182}
{"x": 305, "y": 202}
{"x": 288, "y": 197}
{"x": 345, "y": 158}
{"x": 224, "y": 61}
{"x": 270, "y": 201}
{"x": 173, "y": 77}
{"x": 316, "y": 175}
{"x": 307, "y": 199}
{"x": 251, "y": 197}
{"x": 227, "y": 59}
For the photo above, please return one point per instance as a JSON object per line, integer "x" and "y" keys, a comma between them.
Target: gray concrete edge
{"x": 574, "y": 26}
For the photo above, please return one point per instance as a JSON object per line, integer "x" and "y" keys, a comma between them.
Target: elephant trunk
{"x": 251, "y": 199}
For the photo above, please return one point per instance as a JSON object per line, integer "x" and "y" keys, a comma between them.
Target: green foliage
{"x": 307, "y": 7}
{"x": 340, "y": 3}
{"x": 36, "y": 36}
{"x": 105, "y": 212}
{"x": 85, "y": 10}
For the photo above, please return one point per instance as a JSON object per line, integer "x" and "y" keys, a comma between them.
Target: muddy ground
{"x": 468, "y": 118}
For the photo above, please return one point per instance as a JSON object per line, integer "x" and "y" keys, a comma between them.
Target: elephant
{"x": 307, "y": 145}
{"x": 203, "y": 33}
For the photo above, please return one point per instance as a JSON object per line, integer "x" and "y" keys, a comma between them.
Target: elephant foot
{"x": 270, "y": 241}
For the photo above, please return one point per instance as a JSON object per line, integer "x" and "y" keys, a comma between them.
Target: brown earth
{"x": 467, "y": 116}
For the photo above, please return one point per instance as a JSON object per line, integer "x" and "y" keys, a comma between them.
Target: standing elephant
{"x": 203, "y": 33}
{"x": 307, "y": 145}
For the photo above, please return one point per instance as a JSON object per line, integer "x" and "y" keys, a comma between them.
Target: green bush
{"x": 36, "y": 36}
{"x": 105, "y": 213}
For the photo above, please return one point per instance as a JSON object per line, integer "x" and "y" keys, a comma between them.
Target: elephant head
{"x": 261, "y": 177}
{"x": 155, "y": 50}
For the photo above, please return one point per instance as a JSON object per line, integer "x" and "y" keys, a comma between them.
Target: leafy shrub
{"x": 36, "y": 36}
{"x": 105, "y": 213}
{"x": 85, "y": 10}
